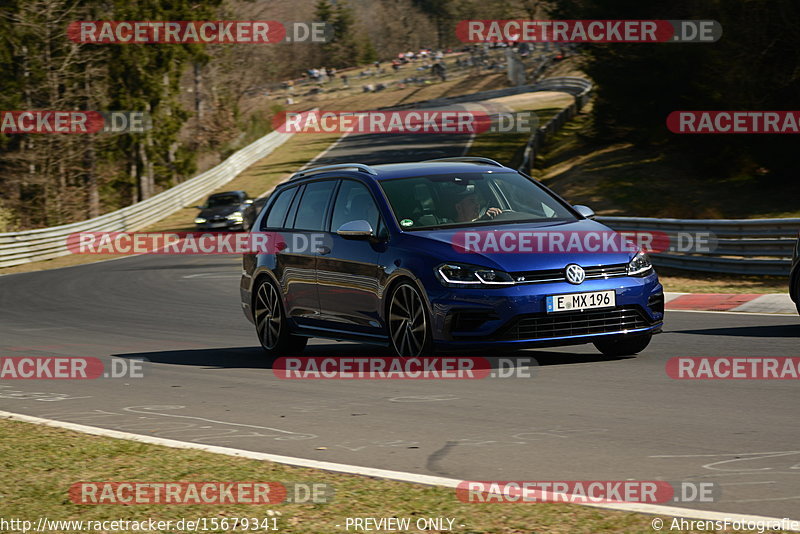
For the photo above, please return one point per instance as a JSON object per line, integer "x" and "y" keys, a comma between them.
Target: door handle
{"x": 323, "y": 250}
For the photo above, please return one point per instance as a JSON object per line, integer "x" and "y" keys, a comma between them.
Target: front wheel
{"x": 273, "y": 332}
{"x": 409, "y": 326}
{"x": 623, "y": 346}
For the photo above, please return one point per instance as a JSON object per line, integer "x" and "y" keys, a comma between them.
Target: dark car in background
{"x": 252, "y": 211}
{"x": 794, "y": 277}
{"x": 383, "y": 268}
{"x": 223, "y": 211}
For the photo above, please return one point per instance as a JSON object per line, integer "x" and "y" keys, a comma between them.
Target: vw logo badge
{"x": 575, "y": 274}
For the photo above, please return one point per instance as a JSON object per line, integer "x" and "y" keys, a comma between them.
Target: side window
{"x": 277, "y": 213}
{"x": 312, "y": 208}
{"x": 354, "y": 202}
{"x": 293, "y": 208}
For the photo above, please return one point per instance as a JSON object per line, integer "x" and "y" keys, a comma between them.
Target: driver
{"x": 468, "y": 208}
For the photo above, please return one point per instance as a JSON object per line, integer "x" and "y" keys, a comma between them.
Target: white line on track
{"x": 735, "y": 313}
{"x": 366, "y": 471}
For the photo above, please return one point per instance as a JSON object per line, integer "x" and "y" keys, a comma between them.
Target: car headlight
{"x": 639, "y": 265}
{"x": 200, "y": 220}
{"x": 235, "y": 216}
{"x": 462, "y": 274}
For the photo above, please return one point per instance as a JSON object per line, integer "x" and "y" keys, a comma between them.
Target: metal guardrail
{"x": 580, "y": 88}
{"x": 741, "y": 246}
{"x": 17, "y": 248}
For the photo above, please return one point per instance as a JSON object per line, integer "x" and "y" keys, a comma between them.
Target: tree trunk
{"x": 144, "y": 183}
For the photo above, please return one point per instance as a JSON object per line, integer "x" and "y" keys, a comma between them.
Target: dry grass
{"x": 41, "y": 463}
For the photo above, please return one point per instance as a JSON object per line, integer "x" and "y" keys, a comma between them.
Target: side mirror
{"x": 585, "y": 211}
{"x": 359, "y": 229}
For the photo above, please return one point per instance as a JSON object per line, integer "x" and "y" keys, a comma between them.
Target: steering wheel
{"x": 505, "y": 214}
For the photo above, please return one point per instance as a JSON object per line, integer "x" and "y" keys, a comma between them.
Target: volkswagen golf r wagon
{"x": 407, "y": 255}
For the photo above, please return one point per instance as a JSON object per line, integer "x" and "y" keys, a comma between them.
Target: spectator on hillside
{"x": 439, "y": 70}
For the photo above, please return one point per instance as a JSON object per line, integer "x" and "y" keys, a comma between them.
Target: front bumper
{"x": 517, "y": 315}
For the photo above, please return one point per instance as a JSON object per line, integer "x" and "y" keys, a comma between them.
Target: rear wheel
{"x": 273, "y": 332}
{"x": 409, "y": 326}
{"x": 623, "y": 345}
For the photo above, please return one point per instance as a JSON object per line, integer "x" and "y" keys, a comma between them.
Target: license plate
{"x": 581, "y": 301}
{"x": 218, "y": 224}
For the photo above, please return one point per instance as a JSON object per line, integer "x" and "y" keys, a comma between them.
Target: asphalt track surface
{"x": 578, "y": 417}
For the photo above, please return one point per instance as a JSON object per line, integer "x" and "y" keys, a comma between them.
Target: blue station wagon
{"x": 376, "y": 254}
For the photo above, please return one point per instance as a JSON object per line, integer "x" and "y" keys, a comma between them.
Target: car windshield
{"x": 470, "y": 199}
{"x": 222, "y": 200}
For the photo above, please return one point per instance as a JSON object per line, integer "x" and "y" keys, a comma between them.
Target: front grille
{"x": 557, "y": 275}
{"x": 581, "y": 323}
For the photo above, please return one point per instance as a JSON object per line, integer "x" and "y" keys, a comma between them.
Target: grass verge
{"x": 649, "y": 181}
{"x": 41, "y": 463}
{"x": 508, "y": 147}
{"x": 679, "y": 281}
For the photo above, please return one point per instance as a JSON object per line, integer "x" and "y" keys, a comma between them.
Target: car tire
{"x": 623, "y": 346}
{"x": 270, "y": 320}
{"x": 409, "y": 322}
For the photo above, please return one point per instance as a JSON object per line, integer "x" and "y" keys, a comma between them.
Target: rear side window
{"x": 277, "y": 213}
{"x": 313, "y": 206}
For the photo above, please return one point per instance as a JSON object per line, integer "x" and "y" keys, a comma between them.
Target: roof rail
{"x": 358, "y": 166}
{"x": 469, "y": 159}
